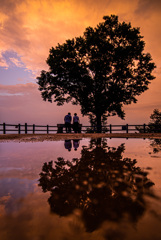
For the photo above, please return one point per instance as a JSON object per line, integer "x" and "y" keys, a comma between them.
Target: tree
{"x": 155, "y": 122}
{"x": 101, "y": 70}
{"x": 154, "y": 125}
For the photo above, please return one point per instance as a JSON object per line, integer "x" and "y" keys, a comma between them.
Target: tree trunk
{"x": 99, "y": 127}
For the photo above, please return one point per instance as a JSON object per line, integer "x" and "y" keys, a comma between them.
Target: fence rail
{"x": 60, "y": 128}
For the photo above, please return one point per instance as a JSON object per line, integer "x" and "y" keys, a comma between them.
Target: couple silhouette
{"x": 68, "y": 125}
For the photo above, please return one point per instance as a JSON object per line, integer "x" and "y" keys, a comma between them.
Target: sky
{"x": 29, "y": 28}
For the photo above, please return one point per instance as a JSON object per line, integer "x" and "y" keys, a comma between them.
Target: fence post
{"x": 19, "y": 128}
{"x": 47, "y": 129}
{"x": 144, "y": 127}
{"x": 33, "y": 128}
{"x": 127, "y": 130}
{"x": 25, "y": 128}
{"x": 4, "y": 128}
{"x": 110, "y": 128}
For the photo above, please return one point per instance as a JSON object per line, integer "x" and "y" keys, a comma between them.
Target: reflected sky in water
{"x": 84, "y": 189}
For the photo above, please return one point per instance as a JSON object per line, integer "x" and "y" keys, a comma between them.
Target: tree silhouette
{"x": 156, "y": 145}
{"x": 154, "y": 125}
{"x": 102, "y": 70}
{"x": 155, "y": 122}
{"x": 101, "y": 184}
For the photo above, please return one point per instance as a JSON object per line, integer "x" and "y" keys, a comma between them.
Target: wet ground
{"x": 63, "y": 136}
{"x": 80, "y": 189}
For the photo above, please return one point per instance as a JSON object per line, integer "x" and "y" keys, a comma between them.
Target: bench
{"x": 61, "y": 126}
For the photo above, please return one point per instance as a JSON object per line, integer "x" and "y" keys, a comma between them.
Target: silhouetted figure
{"x": 76, "y": 123}
{"x": 75, "y": 144}
{"x": 68, "y": 144}
{"x": 67, "y": 120}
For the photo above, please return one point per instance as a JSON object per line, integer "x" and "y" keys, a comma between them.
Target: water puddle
{"x": 81, "y": 189}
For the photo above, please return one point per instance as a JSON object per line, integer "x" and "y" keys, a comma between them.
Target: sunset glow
{"x": 29, "y": 28}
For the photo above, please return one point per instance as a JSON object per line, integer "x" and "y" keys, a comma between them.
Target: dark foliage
{"x": 155, "y": 122}
{"x": 101, "y": 70}
{"x": 154, "y": 126}
{"x": 101, "y": 184}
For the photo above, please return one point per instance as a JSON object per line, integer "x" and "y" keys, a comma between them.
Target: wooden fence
{"x": 60, "y": 128}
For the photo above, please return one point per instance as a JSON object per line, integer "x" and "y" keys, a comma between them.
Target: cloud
{"x": 147, "y": 7}
{"x": 3, "y": 62}
{"x": 16, "y": 62}
{"x": 27, "y": 88}
{"x": 23, "y": 103}
{"x": 31, "y": 28}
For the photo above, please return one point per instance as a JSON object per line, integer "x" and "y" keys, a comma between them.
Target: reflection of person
{"x": 67, "y": 120}
{"x": 75, "y": 144}
{"x": 75, "y": 123}
{"x": 68, "y": 144}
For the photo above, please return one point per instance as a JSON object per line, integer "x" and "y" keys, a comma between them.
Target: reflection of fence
{"x": 26, "y": 128}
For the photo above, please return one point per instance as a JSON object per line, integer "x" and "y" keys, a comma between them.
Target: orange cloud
{"x": 31, "y": 28}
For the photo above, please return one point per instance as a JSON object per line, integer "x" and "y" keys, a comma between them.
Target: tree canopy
{"x": 102, "y": 70}
{"x": 155, "y": 122}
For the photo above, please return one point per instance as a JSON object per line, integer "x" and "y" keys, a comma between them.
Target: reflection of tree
{"x": 101, "y": 183}
{"x": 156, "y": 145}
